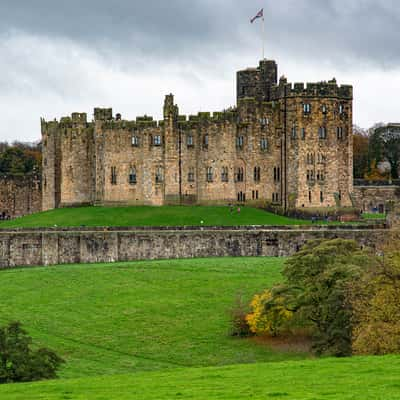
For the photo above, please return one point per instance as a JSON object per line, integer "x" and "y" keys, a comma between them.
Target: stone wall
{"x": 372, "y": 198}
{"x": 20, "y": 195}
{"x": 52, "y": 247}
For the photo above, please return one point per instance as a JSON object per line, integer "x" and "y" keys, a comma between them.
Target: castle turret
{"x": 257, "y": 82}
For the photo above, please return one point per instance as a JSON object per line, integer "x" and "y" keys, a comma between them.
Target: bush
{"x": 19, "y": 363}
{"x": 268, "y": 315}
{"x": 238, "y": 314}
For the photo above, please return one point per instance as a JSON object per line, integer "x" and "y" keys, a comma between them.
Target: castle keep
{"x": 282, "y": 143}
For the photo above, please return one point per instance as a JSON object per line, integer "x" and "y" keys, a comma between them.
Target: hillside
{"x": 130, "y": 317}
{"x": 150, "y": 216}
{"x": 331, "y": 379}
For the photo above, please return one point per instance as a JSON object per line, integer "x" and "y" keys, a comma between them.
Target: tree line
{"x": 20, "y": 158}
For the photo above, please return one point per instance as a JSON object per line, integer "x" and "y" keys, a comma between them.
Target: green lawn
{"x": 130, "y": 317}
{"x": 150, "y": 216}
{"x": 327, "y": 379}
{"x": 373, "y": 216}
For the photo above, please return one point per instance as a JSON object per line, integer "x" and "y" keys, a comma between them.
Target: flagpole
{"x": 263, "y": 37}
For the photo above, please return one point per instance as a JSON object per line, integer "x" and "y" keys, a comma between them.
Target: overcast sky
{"x": 60, "y": 56}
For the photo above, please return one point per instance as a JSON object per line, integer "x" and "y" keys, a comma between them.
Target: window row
{"x": 239, "y": 175}
{"x": 310, "y": 159}
{"x": 307, "y": 108}
{"x": 319, "y": 175}
{"x": 322, "y": 133}
{"x": 157, "y": 141}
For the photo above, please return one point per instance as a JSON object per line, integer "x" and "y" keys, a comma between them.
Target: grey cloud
{"x": 364, "y": 30}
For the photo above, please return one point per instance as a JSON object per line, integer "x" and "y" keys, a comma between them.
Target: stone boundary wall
{"x": 51, "y": 247}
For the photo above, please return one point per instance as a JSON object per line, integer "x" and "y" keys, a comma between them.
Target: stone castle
{"x": 286, "y": 144}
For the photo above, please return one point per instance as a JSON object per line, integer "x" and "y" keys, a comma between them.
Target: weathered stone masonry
{"x": 51, "y": 247}
{"x": 289, "y": 144}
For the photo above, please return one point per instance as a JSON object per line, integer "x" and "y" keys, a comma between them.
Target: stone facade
{"x": 375, "y": 198}
{"x": 20, "y": 195}
{"x": 52, "y": 247}
{"x": 282, "y": 143}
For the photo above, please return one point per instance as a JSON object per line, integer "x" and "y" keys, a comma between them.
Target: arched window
{"x": 209, "y": 174}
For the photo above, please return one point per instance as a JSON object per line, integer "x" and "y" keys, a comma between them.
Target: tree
{"x": 19, "y": 363}
{"x": 360, "y": 152}
{"x": 375, "y": 300}
{"x": 317, "y": 281}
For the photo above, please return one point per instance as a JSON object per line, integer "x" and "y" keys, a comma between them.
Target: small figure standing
{"x": 238, "y": 210}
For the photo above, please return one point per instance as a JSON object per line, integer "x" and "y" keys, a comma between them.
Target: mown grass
{"x": 329, "y": 379}
{"x": 373, "y": 216}
{"x": 150, "y": 216}
{"x": 130, "y": 317}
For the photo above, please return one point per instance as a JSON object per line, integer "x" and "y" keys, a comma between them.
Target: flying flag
{"x": 260, "y": 14}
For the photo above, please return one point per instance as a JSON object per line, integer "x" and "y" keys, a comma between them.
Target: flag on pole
{"x": 260, "y": 14}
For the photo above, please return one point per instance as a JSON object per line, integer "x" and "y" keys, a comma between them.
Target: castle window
{"x": 157, "y": 140}
{"x": 275, "y": 197}
{"x": 224, "y": 174}
{"x": 277, "y": 174}
{"x": 239, "y": 142}
{"x": 264, "y": 121}
{"x": 135, "y": 141}
{"x": 189, "y": 141}
{"x": 257, "y": 174}
{"x": 264, "y": 144}
{"x": 303, "y": 133}
{"x": 341, "y": 109}
{"x": 339, "y": 133}
{"x": 191, "y": 175}
{"x": 241, "y": 197}
{"x": 205, "y": 141}
{"x": 321, "y": 197}
{"x": 340, "y": 195}
{"x": 307, "y": 108}
{"x": 113, "y": 175}
{"x": 132, "y": 176}
{"x": 209, "y": 174}
{"x": 159, "y": 175}
{"x": 240, "y": 174}
{"x": 310, "y": 196}
{"x": 322, "y": 132}
{"x": 324, "y": 109}
{"x": 294, "y": 132}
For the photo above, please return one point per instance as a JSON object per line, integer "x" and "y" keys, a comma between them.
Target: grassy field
{"x": 150, "y": 216}
{"x": 131, "y": 317}
{"x": 373, "y": 216}
{"x": 328, "y": 379}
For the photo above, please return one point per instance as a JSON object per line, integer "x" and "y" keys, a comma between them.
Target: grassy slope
{"x": 150, "y": 216}
{"x": 130, "y": 317}
{"x": 328, "y": 379}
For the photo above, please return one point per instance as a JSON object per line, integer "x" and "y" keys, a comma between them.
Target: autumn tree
{"x": 360, "y": 152}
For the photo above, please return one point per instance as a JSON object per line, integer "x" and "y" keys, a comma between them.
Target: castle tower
{"x": 257, "y": 82}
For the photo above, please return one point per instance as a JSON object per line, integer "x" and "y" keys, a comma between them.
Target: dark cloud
{"x": 364, "y": 30}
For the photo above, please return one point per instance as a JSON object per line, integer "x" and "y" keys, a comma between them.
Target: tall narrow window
{"x": 339, "y": 133}
{"x": 341, "y": 109}
{"x": 159, "y": 175}
{"x": 264, "y": 144}
{"x": 307, "y": 108}
{"x": 294, "y": 132}
{"x": 157, "y": 140}
{"x": 189, "y": 141}
{"x": 191, "y": 174}
{"x": 240, "y": 174}
{"x": 257, "y": 174}
{"x": 321, "y": 197}
{"x": 324, "y": 109}
{"x": 322, "y": 132}
{"x": 135, "y": 141}
{"x": 309, "y": 196}
{"x": 303, "y": 133}
{"x": 205, "y": 141}
{"x": 132, "y": 176}
{"x": 209, "y": 174}
{"x": 239, "y": 142}
{"x": 113, "y": 175}
{"x": 224, "y": 174}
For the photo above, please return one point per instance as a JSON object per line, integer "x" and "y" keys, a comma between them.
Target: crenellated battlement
{"x": 324, "y": 89}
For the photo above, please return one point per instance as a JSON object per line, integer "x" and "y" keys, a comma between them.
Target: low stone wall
{"x": 51, "y": 247}
{"x": 375, "y": 198}
{"x": 20, "y": 195}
